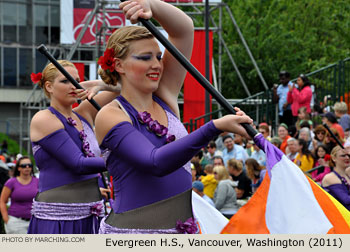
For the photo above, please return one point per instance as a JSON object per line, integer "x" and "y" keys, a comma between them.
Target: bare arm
{"x": 5, "y": 195}
{"x": 180, "y": 30}
{"x": 102, "y": 94}
{"x": 44, "y": 123}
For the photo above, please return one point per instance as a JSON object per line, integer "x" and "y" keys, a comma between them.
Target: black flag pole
{"x": 332, "y": 134}
{"x": 194, "y": 72}
{"x": 42, "y": 49}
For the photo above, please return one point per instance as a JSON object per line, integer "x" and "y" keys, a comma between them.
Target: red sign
{"x": 81, "y": 15}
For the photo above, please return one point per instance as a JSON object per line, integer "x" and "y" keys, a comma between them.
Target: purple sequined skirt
{"x": 66, "y": 218}
{"x": 108, "y": 229}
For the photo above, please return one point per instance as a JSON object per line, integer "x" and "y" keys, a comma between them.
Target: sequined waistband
{"x": 67, "y": 211}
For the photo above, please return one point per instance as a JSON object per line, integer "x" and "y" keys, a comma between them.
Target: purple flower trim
{"x": 187, "y": 227}
{"x": 71, "y": 121}
{"x": 86, "y": 145}
{"x": 82, "y": 136}
{"x": 154, "y": 126}
{"x": 170, "y": 138}
{"x": 144, "y": 117}
{"x": 97, "y": 209}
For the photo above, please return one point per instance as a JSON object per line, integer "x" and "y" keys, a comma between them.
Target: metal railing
{"x": 258, "y": 106}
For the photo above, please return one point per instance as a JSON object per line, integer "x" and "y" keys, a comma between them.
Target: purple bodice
{"x": 53, "y": 171}
{"x": 340, "y": 192}
{"x": 135, "y": 188}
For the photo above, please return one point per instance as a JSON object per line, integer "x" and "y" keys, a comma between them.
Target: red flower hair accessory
{"x": 107, "y": 61}
{"x": 36, "y": 77}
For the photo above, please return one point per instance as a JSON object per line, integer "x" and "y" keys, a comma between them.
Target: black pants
{"x": 287, "y": 118}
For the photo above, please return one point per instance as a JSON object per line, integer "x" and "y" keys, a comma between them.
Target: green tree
{"x": 297, "y": 36}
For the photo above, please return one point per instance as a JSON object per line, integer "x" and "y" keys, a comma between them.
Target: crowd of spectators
{"x": 305, "y": 141}
{"x": 229, "y": 170}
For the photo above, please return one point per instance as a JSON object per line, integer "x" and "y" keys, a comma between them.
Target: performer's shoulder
{"x": 44, "y": 123}
{"x": 330, "y": 179}
{"x": 109, "y": 116}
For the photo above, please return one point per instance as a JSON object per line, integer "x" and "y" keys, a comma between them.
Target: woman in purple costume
{"x": 337, "y": 182}
{"x": 151, "y": 172}
{"x": 68, "y": 157}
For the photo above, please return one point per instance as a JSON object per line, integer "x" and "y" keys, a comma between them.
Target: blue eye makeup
{"x": 142, "y": 57}
{"x": 146, "y": 57}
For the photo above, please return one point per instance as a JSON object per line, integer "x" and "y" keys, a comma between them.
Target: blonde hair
{"x": 235, "y": 164}
{"x": 222, "y": 172}
{"x": 120, "y": 42}
{"x": 341, "y": 107}
{"x": 334, "y": 155}
{"x": 50, "y": 73}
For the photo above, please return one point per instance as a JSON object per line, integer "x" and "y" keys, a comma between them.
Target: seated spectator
{"x": 235, "y": 169}
{"x": 321, "y": 158}
{"x": 218, "y": 160}
{"x": 239, "y": 140}
{"x": 212, "y": 152}
{"x": 249, "y": 147}
{"x": 305, "y": 134}
{"x": 225, "y": 198}
{"x": 337, "y": 182}
{"x": 303, "y": 116}
{"x": 219, "y": 141}
{"x": 283, "y": 135}
{"x": 292, "y": 148}
{"x": 276, "y": 141}
{"x": 329, "y": 141}
{"x": 259, "y": 155}
{"x": 331, "y": 120}
{"x": 304, "y": 159}
{"x": 198, "y": 187}
{"x": 193, "y": 172}
{"x": 341, "y": 111}
{"x": 199, "y": 162}
{"x": 233, "y": 150}
{"x": 264, "y": 130}
{"x": 347, "y": 134}
{"x": 209, "y": 181}
{"x": 320, "y": 133}
{"x": 255, "y": 172}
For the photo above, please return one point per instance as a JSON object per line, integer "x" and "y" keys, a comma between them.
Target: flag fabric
{"x": 288, "y": 202}
{"x": 209, "y": 219}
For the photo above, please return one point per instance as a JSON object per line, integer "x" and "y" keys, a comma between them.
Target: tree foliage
{"x": 297, "y": 36}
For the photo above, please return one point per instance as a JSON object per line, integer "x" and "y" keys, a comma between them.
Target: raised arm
{"x": 180, "y": 30}
{"x": 102, "y": 94}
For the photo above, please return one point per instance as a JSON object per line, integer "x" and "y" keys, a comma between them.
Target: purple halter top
{"x": 133, "y": 188}
{"x": 52, "y": 173}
